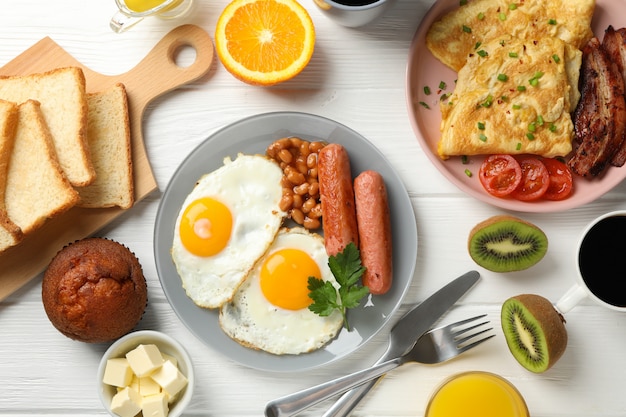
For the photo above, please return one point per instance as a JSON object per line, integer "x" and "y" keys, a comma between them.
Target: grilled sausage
{"x": 337, "y": 198}
{"x": 374, "y": 225}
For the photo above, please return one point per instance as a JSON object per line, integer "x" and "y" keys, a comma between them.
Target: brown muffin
{"x": 94, "y": 290}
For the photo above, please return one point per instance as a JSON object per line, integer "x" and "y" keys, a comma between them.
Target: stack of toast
{"x": 60, "y": 147}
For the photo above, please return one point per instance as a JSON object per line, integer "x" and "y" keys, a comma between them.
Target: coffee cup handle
{"x": 571, "y": 298}
{"x": 121, "y": 22}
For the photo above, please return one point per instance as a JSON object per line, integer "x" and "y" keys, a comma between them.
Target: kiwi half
{"x": 534, "y": 331}
{"x": 505, "y": 243}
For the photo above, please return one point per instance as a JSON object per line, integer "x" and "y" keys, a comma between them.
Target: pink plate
{"x": 424, "y": 69}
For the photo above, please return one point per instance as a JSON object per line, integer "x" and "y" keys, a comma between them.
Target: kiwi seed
{"x": 534, "y": 331}
{"x": 506, "y": 243}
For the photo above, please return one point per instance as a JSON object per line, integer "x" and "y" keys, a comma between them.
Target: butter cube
{"x": 144, "y": 359}
{"x": 148, "y": 386}
{"x": 154, "y": 406}
{"x": 169, "y": 378}
{"x": 170, "y": 358}
{"x": 134, "y": 384}
{"x": 117, "y": 372}
{"x": 126, "y": 403}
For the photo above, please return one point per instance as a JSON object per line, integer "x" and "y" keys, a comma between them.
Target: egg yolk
{"x": 205, "y": 227}
{"x": 284, "y": 278}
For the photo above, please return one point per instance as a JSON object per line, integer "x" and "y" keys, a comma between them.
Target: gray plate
{"x": 252, "y": 135}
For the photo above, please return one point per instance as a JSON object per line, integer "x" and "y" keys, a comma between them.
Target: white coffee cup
{"x": 601, "y": 264}
{"x": 354, "y": 13}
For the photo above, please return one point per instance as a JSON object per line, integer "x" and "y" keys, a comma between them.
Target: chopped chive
{"x": 519, "y": 146}
{"x": 552, "y": 22}
{"x": 556, "y": 58}
{"x": 481, "y": 16}
{"x": 488, "y": 101}
{"x": 516, "y": 107}
{"x": 481, "y": 125}
{"x": 445, "y": 96}
{"x": 535, "y": 80}
{"x": 521, "y": 88}
{"x": 442, "y": 85}
{"x": 468, "y": 173}
{"x": 482, "y": 137}
{"x": 504, "y": 98}
{"x": 532, "y": 127}
{"x": 513, "y": 55}
{"x": 464, "y": 159}
{"x": 503, "y": 77}
{"x": 512, "y": 6}
{"x": 552, "y": 127}
{"x": 463, "y": 2}
{"x": 482, "y": 53}
{"x": 530, "y": 136}
{"x": 502, "y": 16}
{"x": 467, "y": 29}
{"x": 427, "y": 90}
{"x": 477, "y": 45}
{"x": 540, "y": 120}
{"x": 426, "y": 106}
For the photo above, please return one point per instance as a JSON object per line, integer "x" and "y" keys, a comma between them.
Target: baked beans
{"x": 301, "y": 191}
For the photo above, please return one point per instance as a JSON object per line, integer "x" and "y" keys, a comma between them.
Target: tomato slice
{"x": 500, "y": 175}
{"x": 561, "y": 182}
{"x": 535, "y": 180}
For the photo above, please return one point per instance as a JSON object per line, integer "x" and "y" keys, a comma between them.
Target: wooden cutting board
{"x": 155, "y": 75}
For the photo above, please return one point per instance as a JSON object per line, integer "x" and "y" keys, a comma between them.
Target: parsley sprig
{"x": 347, "y": 268}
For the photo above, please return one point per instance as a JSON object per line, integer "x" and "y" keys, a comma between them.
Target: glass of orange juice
{"x": 131, "y": 12}
{"x": 476, "y": 394}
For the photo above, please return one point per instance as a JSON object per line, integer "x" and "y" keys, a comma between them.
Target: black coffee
{"x": 602, "y": 260}
{"x": 355, "y": 2}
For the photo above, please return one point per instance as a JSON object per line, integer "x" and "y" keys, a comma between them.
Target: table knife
{"x": 408, "y": 329}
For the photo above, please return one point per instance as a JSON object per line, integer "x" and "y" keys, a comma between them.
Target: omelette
{"x": 452, "y": 38}
{"x": 513, "y": 96}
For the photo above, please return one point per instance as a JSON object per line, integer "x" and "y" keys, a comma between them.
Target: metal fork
{"x": 437, "y": 345}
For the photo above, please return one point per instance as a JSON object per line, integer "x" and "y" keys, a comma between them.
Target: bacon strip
{"x": 600, "y": 116}
{"x": 614, "y": 44}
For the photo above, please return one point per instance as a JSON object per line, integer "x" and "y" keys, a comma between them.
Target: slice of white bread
{"x": 109, "y": 144}
{"x": 61, "y": 93}
{"x": 36, "y": 188}
{"x": 10, "y": 233}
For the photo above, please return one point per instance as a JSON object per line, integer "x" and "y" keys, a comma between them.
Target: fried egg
{"x": 270, "y": 309}
{"x": 225, "y": 225}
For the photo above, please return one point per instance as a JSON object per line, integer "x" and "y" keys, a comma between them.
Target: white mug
{"x": 601, "y": 264}
{"x": 354, "y": 13}
{"x": 126, "y": 17}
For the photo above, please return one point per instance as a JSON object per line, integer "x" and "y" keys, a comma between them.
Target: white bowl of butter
{"x": 145, "y": 373}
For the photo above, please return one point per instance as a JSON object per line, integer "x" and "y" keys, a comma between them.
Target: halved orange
{"x": 264, "y": 42}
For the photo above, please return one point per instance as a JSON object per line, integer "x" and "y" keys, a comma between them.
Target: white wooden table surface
{"x": 356, "y": 77}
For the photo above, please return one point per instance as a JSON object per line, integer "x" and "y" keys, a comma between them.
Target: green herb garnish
{"x": 347, "y": 268}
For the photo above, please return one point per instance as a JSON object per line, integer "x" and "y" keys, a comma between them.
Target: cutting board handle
{"x": 159, "y": 73}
